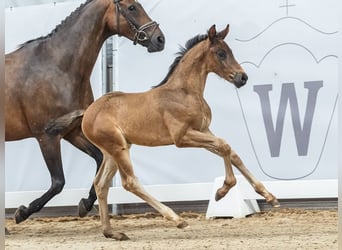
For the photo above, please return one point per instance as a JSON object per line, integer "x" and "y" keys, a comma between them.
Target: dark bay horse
{"x": 173, "y": 112}
{"x": 49, "y": 77}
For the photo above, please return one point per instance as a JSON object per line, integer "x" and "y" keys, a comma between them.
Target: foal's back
{"x": 139, "y": 117}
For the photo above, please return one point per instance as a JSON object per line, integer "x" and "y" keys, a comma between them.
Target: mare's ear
{"x": 222, "y": 34}
{"x": 212, "y": 33}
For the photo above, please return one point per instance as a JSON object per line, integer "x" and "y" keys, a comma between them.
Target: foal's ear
{"x": 212, "y": 33}
{"x": 222, "y": 34}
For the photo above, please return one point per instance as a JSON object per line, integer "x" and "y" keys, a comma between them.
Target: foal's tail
{"x": 62, "y": 125}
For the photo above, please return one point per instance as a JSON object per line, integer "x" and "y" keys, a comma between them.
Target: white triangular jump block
{"x": 235, "y": 204}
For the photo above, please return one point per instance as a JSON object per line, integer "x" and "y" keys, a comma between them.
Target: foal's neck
{"x": 191, "y": 72}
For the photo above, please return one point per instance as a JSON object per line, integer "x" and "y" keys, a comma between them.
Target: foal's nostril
{"x": 240, "y": 79}
{"x": 244, "y": 77}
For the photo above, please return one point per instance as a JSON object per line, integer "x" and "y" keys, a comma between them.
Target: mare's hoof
{"x": 116, "y": 236}
{"x": 20, "y": 214}
{"x": 6, "y": 231}
{"x": 83, "y": 208}
{"x": 182, "y": 224}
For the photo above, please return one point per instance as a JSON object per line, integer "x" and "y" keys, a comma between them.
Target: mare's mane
{"x": 188, "y": 45}
{"x": 62, "y": 24}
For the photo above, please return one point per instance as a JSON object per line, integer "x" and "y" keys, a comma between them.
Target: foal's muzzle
{"x": 240, "y": 79}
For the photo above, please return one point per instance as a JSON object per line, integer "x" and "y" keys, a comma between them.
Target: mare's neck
{"x": 79, "y": 42}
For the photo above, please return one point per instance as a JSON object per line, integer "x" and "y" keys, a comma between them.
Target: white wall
{"x": 292, "y": 45}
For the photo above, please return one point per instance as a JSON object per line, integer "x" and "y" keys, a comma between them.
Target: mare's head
{"x": 222, "y": 61}
{"x": 128, "y": 18}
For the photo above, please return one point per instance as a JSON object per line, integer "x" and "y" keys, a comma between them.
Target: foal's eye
{"x": 131, "y": 8}
{"x": 221, "y": 54}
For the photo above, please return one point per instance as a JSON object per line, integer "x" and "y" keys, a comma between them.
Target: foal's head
{"x": 128, "y": 18}
{"x": 222, "y": 61}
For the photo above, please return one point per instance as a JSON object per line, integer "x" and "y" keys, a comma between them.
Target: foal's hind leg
{"x": 130, "y": 183}
{"x": 50, "y": 147}
{"x": 77, "y": 138}
{"x": 102, "y": 183}
{"x": 257, "y": 185}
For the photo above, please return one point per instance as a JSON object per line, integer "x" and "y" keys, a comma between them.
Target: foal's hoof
{"x": 6, "y": 231}
{"x": 271, "y": 199}
{"x": 84, "y": 208}
{"x": 274, "y": 202}
{"x": 20, "y": 214}
{"x": 116, "y": 236}
{"x": 220, "y": 193}
{"x": 182, "y": 224}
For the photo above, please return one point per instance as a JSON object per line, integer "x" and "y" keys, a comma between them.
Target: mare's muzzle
{"x": 240, "y": 79}
{"x": 150, "y": 36}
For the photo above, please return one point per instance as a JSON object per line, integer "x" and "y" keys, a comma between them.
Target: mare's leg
{"x": 102, "y": 183}
{"x": 256, "y": 184}
{"x": 77, "y": 138}
{"x": 50, "y": 147}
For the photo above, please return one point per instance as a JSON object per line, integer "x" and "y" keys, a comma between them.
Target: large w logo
{"x": 288, "y": 96}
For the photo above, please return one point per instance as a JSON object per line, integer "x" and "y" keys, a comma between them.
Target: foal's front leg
{"x": 256, "y": 184}
{"x": 194, "y": 138}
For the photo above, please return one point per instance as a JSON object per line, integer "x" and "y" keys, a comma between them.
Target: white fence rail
{"x": 184, "y": 192}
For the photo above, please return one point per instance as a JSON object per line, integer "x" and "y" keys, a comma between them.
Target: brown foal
{"x": 174, "y": 112}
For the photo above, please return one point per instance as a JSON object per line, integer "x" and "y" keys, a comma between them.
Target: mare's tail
{"x": 64, "y": 124}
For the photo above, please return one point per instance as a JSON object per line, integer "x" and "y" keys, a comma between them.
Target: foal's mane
{"x": 188, "y": 45}
{"x": 62, "y": 24}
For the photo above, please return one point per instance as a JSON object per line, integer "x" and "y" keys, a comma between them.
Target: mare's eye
{"x": 221, "y": 54}
{"x": 131, "y": 8}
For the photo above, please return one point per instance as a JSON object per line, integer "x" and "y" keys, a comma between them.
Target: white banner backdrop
{"x": 283, "y": 123}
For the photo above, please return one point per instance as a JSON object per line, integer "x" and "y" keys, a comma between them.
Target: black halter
{"x": 140, "y": 35}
